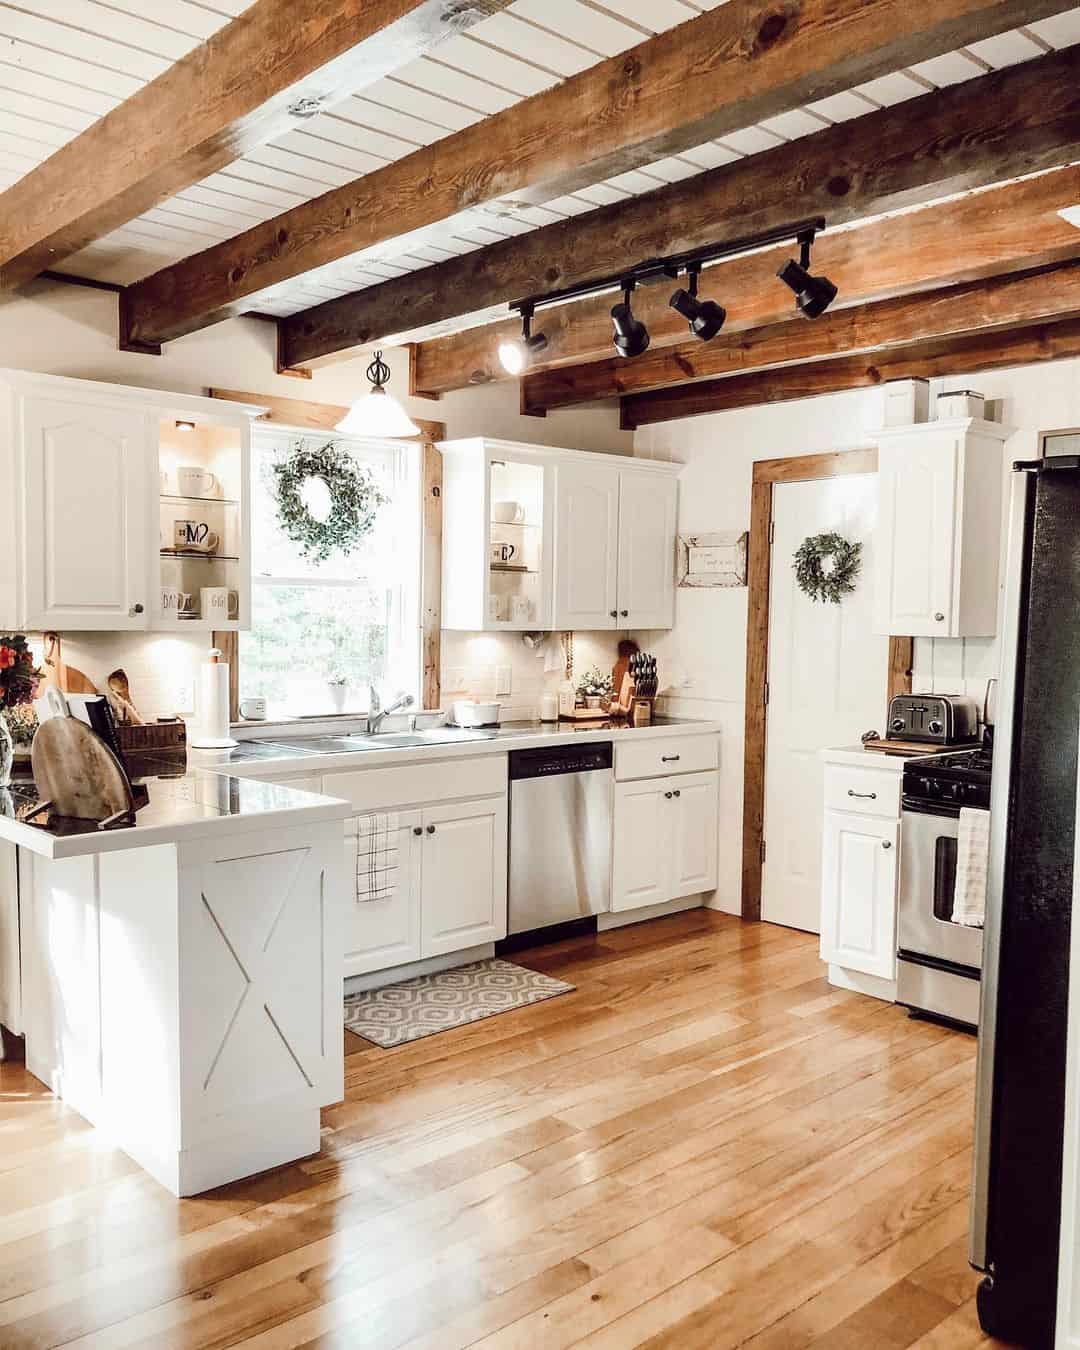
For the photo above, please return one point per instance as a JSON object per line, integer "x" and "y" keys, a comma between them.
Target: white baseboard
{"x": 873, "y": 985}
{"x": 379, "y": 979}
{"x": 625, "y": 916}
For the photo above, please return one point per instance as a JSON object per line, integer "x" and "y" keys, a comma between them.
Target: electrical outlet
{"x": 185, "y": 696}
{"x": 503, "y": 681}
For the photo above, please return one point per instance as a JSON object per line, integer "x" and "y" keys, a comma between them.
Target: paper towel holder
{"x": 207, "y": 735}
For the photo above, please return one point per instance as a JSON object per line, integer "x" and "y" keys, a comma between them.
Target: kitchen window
{"x": 322, "y": 633}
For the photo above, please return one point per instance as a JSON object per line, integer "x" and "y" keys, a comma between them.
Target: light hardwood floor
{"x": 705, "y": 1146}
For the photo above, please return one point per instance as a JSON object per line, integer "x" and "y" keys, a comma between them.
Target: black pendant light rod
{"x": 657, "y": 269}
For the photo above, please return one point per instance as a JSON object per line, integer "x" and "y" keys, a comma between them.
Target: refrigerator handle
{"x": 1021, "y": 495}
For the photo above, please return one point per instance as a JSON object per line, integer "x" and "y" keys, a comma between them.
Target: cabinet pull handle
{"x": 668, "y": 795}
{"x": 431, "y": 829}
{"x": 624, "y": 613}
{"x": 678, "y": 792}
{"x": 670, "y": 759}
{"x": 135, "y": 609}
{"x": 885, "y": 844}
{"x": 869, "y": 796}
{"x": 417, "y": 829}
{"x": 939, "y": 617}
{"x": 614, "y": 613}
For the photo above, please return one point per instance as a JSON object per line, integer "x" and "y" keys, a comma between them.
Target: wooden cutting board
{"x": 78, "y": 774}
{"x": 912, "y": 747}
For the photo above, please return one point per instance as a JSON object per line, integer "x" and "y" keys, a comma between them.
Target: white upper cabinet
{"x": 647, "y": 518}
{"x": 127, "y": 507}
{"x": 587, "y": 546}
{"x": 541, "y": 538}
{"x": 84, "y": 482}
{"x": 940, "y": 489}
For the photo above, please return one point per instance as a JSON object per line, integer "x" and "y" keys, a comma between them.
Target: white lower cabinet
{"x": 665, "y": 842}
{"x": 450, "y": 891}
{"x": 859, "y": 884}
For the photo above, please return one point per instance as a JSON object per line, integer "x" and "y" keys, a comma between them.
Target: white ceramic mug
{"x": 521, "y": 610}
{"x": 508, "y": 513}
{"x": 219, "y": 602}
{"x": 502, "y": 553}
{"x": 253, "y": 709}
{"x": 195, "y": 482}
{"x": 175, "y": 602}
{"x": 194, "y": 535}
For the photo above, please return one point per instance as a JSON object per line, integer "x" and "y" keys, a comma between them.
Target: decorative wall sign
{"x": 712, "y": 559}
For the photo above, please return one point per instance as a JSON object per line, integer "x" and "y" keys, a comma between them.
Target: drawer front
{"x": 871, "y": 792}
{"x": 653, "y": 758}
{"x": 407, "y": 784}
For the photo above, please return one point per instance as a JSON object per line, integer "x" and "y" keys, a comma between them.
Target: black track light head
{"x": 813, "y": 295}
{"x": 705, "y": 317}
{"x": 515, "y": 356}
{"x": 631, "y": 336}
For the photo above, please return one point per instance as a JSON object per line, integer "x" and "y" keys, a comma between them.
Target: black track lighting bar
{"x": 652, "y": 270}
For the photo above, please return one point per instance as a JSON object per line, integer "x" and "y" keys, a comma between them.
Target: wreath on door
{"x": 826, "y": 566}
{"x": 350, "y": 499}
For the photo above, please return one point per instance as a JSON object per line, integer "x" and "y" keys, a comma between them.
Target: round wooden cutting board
{"x": 76, "y": 771}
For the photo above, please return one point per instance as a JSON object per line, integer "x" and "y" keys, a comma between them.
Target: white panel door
{"x": 827, "y": 685}
{"x": 463, "y": 875}
{"x": 384, "y": 933}
{"x": 647, "y": 514}
{"x": 643, "y": 831}
{"x": 858, "y": 891}
{"x": 87, "y": 513}
{"x": 916, "y": 563}
{"x": 586, "y": 546}
{"x": 695, "y": 833}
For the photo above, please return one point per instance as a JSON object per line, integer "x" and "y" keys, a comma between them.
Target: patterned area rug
{"x": 452, "y": 998}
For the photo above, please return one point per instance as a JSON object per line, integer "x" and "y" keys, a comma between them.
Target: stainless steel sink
{"x": 389, "y": 740}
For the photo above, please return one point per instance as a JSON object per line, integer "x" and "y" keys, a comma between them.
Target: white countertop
{"x": 219, "y": 790}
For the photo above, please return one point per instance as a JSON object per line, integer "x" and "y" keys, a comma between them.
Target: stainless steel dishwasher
{"x": 560, "y": 835}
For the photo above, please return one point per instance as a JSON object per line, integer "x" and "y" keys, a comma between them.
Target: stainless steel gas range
{"x": 939, "y": 962}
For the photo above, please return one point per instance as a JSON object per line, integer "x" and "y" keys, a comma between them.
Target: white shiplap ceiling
{"x": 63, "y": 63}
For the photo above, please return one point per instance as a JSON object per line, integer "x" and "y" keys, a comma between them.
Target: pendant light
{"x": 378, "y": 413}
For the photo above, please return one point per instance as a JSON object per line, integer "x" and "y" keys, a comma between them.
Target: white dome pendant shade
{"x": 378, "y": 414}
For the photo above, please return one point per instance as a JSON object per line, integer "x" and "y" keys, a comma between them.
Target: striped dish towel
{"x": 972, "y": 853}
{"x": 376, "y": 856}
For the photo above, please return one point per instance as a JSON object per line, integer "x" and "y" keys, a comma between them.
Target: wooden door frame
{"x": 767, "y": 474}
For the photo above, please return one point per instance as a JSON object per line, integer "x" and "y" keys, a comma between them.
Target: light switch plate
{"x": 503, "y": 680}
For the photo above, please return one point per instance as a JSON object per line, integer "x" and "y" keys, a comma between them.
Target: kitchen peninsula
{"x": 181, "y": 978}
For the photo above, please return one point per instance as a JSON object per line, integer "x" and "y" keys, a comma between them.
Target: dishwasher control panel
{"x": 544, "y": 762}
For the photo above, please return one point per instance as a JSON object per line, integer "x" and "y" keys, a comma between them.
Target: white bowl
{"x": 467, "y": 713}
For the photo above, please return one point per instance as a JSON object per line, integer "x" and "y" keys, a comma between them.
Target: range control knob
{"x": 897, "y": 724}
{"x": 935, "y": 727}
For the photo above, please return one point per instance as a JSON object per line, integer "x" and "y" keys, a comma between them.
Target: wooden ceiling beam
{"x": 744, "y": 61}
{"x": 1011, "y": 228}
{"x": 984, "y": 131}
{"x": 1005, "y": 302}
{"x": 995, "y": 350}
{"x": 231, "y": 93}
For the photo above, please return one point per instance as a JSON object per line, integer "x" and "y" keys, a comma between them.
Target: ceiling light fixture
{"x": 1071, "y": 215}
{"x": 182, "y": 424}
{"x": 813, "y": 295}
{"x": 631, "y": 335}
{"x": 515, "y": 356}
{"x": 705, "y": 317}
{"x": 305, "y": 107}
{"x": 378, "y": 414}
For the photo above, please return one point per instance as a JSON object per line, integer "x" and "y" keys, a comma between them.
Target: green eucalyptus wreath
{"x": 826, "y": 566}
{"x": 355, "y": 499}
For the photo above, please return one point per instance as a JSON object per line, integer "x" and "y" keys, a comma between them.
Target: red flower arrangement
{"x": 19, "y": 677}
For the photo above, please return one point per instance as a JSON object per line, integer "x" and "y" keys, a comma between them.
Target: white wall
{"x": 69, "y": 330}
{"x": 704, "y": 658}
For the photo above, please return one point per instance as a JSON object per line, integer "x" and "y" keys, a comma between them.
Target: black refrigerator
{"x": 1021, "y": 1075}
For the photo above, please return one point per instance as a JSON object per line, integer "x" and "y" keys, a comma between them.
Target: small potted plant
{"x": 19, "y": 680}
{"x": 338, "y": 684}
{"x": 594, "y": 688}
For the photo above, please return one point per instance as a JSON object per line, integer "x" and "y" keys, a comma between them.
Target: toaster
{"x": 937, "y": 719}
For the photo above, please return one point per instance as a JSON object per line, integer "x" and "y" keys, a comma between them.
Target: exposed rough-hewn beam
{"x": 231, "y": 93}
{"x": 744, "y": 61}
{"x": 1003, "y": 302}
{"x": 1006, "y": 229}
{"x": 985, "y": 131}
{"x": 994, "y": 350}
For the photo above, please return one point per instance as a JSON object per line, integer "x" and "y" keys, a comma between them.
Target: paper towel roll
{"x": 211, "y": 729}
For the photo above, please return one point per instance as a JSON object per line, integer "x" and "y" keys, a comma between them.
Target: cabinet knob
{"x": 939, "y": 617}
{"x": 624, "y": 613}
{"x": 678, "y": 792}
{"x": 885, "y": 844}
{"x": 135, "y": 609}
{"x": 614, "y": 613}
{"x": 431, "y": 829}
{"x": 668, "y": 795}
{"x": 417, "y": 829}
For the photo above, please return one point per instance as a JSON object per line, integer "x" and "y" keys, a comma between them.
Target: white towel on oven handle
{"x": 972, "y": 857}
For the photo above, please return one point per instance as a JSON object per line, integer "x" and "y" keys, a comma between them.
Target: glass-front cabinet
{"x": 497, "y": 537}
